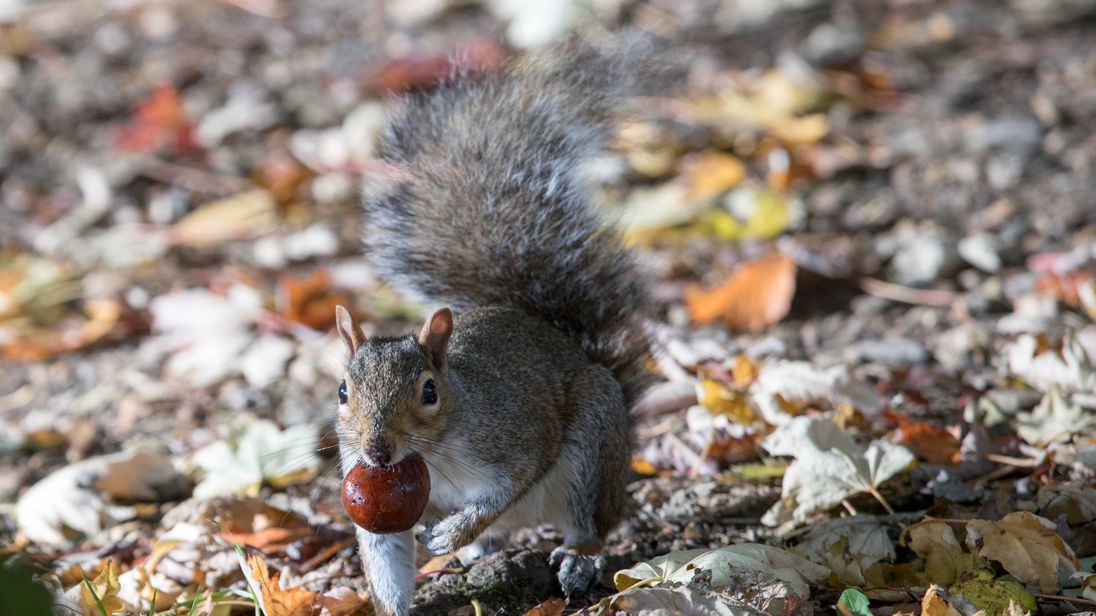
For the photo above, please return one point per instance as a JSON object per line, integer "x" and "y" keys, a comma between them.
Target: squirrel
{"x": 517, "y": 392}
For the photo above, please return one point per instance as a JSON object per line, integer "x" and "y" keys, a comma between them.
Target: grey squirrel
{"x": 519, "y": 403}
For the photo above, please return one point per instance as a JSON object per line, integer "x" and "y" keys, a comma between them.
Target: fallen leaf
{"x": 102, "y": 318}
{"x": 276, "y": 601}
{"x": 932, "y": 443}
{"x": 829, "y": 467}
{"x": 1070, "y": 369}
{"x": 1076, "y": 501}
{"x": 710, "y": 174}
{"x": 480, "y": 55}
{"x": 678, "y": 600}
{"x": 757, "y": 294}
{"x": 992, "y": 595}
{"x": 159, "y": 123}
{"x": 341, "y": 601}
{"x": 80, "y": 497}
{"x": 551, "y": 607}
{"x": 784, "y": 389}
{"x": 848, "y": 546}
{"x": 206, "y": 332}
{"x": 310, "y": 299}
{"x": 253, "y": 453}
{"x": 935, "y": 544}
{"x": 1054, "y": 420}
{"x": 103, "y": 590}
{"x": 853, "y": 603}
{"x": 721, "y": 563}
{"x": 270, "y": 540}
{"x": 933, "y": 604}
{"x": 242, "y": 216}
{"x": 752, "y": 213}
{"x": 1026, "y": 545}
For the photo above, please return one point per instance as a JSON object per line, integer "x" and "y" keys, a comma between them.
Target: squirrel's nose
{"x": 379, "y": 453}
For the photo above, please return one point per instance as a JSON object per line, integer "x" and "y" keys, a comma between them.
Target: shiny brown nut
{"x": 387, "y": 499}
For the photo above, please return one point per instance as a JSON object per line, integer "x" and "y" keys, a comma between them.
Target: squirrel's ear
{"x": 348, "y": 329}
{"x": 434, "y": 336}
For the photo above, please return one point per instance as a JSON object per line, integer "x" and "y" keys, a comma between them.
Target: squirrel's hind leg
{"x": 596, "y": 454}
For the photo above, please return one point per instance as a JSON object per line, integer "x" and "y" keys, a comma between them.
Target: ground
{"x": 871, "y": 228}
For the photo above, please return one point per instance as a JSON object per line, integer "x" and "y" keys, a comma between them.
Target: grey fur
{"x": 486, "y": 204}
{"x": 483, "y": 207}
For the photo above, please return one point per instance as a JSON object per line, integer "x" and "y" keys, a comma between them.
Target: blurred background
{"x": 900, "y": 193}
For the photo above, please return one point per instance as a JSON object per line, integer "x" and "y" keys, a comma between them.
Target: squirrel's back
{"x": 484, "y": 201}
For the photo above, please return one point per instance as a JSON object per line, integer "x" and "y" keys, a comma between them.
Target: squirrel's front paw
{"x": 577, "y": 571}
{"x": 447, "y": 535}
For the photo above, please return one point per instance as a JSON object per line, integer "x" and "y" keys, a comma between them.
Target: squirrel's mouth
{"x": 390, "y": 457}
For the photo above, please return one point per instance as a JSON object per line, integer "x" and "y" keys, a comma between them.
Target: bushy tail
{"x": 484, "y": 200}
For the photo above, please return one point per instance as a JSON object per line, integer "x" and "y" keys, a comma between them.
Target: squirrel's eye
{"x": 342, "y": 392}
{"x": 429, "y": 393}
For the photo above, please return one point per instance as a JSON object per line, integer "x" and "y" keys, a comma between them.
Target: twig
{"x": 1011, "y": 461}
{"x": 1079, "y": 600}
{"x": 325, "y": 554}
{"x": 907, "y": 295}
{"x": 190, "y": 178}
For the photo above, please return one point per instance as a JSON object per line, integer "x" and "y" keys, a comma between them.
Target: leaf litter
{"x": 872, "y": 259}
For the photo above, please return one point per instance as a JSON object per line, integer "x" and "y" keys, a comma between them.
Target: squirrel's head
{"x": 394, "y": 399}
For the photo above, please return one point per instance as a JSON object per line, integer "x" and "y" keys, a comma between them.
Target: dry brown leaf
{"x": 757, "y": 294}
{"x": 551, "y": 607}
{"x": 934, "y": 543}
{"x": 105, "y": 587}
{"x": 271, "y": 540}
{"x": 248, "y": 214}
{"x": 36, "y": 344}
{"x": 1026, "y": 545}
{"x": 276, "y": 601}
{"x": 932, "y": 604}
{"x": 310, "y": 299}
{"x": 341, "y": 601}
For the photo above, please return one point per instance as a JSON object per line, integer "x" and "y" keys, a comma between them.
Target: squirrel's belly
{"x": 456, "y": 479}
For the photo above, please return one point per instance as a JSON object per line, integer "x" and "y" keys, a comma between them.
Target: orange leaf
{"x": 275, "y": 601}
{"x": 270, "y": 540}
{"x": 551, "y": 607}
{"x": 310, "y": 299}
{"x": 159, "y": 122}
{"x": 757, "y": 294}
{"x": 933, "y": 444}
{"x": 422, "y": 72}
{"x": 37, "y": 344}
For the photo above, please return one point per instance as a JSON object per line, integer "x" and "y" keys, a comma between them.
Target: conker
{"x": 387, "y": 499}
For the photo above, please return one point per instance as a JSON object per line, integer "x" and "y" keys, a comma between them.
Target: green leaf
{"x": 853, "y": 603}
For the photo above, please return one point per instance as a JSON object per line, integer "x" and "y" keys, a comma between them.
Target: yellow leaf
{"x": 934, "y": 542}
{"x": 1026, "y": 545}
{"x": 247, "y": 214}
{"x": 105, "y": 587}
{"x": 276, "y": 601}
{"x": 710, "y": 174}
{"x": 160, "y": 549}
{"x": 807, "y": 129}
{"x": 993, "y": 596}
{"x": 751, "y": 213}
{"x": 723, "y": 401}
